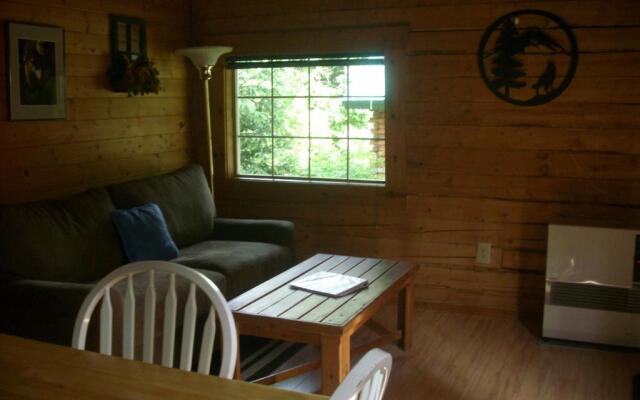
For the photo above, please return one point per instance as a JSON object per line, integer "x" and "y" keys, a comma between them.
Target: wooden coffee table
{"x": 275, "y": 310}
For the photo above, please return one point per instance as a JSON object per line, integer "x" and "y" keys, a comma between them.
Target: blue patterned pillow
{"x": 144, "y": 234}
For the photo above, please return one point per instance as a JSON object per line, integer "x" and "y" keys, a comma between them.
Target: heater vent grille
{"x": 597, "y": 297}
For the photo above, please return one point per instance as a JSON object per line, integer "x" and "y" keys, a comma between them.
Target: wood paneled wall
{"x": 463, "y": 166}
{"x": 106, "y": 136}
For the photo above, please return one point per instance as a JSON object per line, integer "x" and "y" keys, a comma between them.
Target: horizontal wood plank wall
{"x": 106, "y": 137}
{"x": 463, "y": 166}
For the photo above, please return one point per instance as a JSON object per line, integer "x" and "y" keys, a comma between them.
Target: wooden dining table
{"x": 37, "y": 370}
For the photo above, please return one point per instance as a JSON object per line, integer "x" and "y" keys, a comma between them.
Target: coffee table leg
{"x": 336, "y": 361}
{"x": 236, "y": 374}
{"x": 405, "y": 317}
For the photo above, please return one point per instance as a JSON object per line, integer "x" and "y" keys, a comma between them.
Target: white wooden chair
{"x": 219, "y": 308}
{"x": 368, "y": 379}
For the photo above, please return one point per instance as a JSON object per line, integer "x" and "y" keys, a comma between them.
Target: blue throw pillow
{"x": 144, "y": 234}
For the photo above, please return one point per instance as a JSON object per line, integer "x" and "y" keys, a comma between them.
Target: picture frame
{"x": 36, "y": 72}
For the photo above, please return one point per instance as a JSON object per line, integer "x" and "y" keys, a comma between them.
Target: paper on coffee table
{"x": 330, "y": 283}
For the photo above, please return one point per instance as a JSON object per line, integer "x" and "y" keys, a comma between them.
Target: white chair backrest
{"x": 219, "y": 308}
{"x": 368, "y": 379}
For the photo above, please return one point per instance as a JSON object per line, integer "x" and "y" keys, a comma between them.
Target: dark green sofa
{"x": 51, "y": 253}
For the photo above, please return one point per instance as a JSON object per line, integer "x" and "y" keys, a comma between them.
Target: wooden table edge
{"x": 33, "y": 374}
{"x": 396, "y": 288}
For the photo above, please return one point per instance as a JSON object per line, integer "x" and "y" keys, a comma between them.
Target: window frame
{"x": 233, "y": 128}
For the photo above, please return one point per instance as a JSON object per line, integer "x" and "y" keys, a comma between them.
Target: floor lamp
{"x": 204, "y": 58}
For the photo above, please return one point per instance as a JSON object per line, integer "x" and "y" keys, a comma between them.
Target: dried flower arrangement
{"x": 136, "y": 77}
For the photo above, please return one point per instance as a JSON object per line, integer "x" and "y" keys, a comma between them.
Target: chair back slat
{"x": 169, "y": 329}
{"x": 371, "y": 389}
{"x": 149, "y": 319}
{"x": 188, "y": 329}
{"x": 128, "y": 320}
{"x": 106, "y": 322}
{"x": 208, "y": 338}
{"x": 217, "y": 312}
{"x": 368, "y": 379}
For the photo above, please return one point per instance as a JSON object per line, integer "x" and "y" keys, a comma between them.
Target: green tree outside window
{"x": 304, "y": 122}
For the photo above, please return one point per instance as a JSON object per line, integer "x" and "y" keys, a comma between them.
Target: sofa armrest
{"x": 41, "y": 310}
{"x": 255, "y": 230}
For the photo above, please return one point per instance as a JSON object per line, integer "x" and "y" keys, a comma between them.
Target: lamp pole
{"x": 206, "y": 73}
{"x": 204, "y": 58}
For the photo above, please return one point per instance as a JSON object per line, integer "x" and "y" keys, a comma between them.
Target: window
{"x": 310, "y": 118}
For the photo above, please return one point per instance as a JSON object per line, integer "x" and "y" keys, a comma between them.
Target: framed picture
{"x": 36, "y": 72}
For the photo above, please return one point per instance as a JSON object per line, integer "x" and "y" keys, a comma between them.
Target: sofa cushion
{"x": 217, "y": 278}
{"x": 244, "y": 264}
{"x": 41, "y": 310}
{"x": 183, "y": 196}
{"x": 144, "y": 233}
{"x": 66, "y": 240}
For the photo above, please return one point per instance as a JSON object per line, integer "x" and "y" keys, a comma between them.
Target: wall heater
{"x": 592, "y": 291}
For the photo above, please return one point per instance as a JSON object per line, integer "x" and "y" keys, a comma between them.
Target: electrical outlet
{"x": 483, "y": 253}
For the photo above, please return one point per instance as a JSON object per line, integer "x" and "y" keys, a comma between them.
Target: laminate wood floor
{"x": 470, "y": 355}
{"x": 474, "y": 356}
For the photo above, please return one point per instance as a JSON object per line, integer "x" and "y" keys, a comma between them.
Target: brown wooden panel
{"x": 488, "y": 210}
{"x": 522, "y": 302}
{"x": 607, "y": 65}
{"x": 46, "y": 182}
{"x": 505, "y": 235}
{"x": 525, "y": 163}
{"x": 94, "y": 66}
{"x": 528, "y": 188}
{"x": 124, "y": 107}
{"x": 106, "y": 136}
{"x": 444, "y": 12}
{"x": 524, "y": 138}
{"x": 527, "y": 260}
{"x": 72, "y": 20}
{"x": 44, "y": 133}
{"x": 97, "y": 87}
{"x": 165, "y": 12}
{"x": 78, "y": 153}
{"x": 473, "y": 89}
{"x": 551, "y": 115}
{"x": 591, "y": 40}
{"x": 373, "y": 38}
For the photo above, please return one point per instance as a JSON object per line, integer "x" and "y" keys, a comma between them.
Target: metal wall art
{"x": 528, "y": 57}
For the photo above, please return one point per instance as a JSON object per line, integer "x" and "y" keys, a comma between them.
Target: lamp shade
{"x": 204, "y": 56}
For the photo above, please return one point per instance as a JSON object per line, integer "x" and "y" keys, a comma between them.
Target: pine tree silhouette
{"x": 507, "y": 69}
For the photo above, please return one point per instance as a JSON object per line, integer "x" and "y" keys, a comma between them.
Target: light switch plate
{"x": 483, "y": 253}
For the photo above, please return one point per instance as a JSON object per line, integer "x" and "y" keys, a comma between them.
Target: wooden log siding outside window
{"x": 349, "y": 99}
